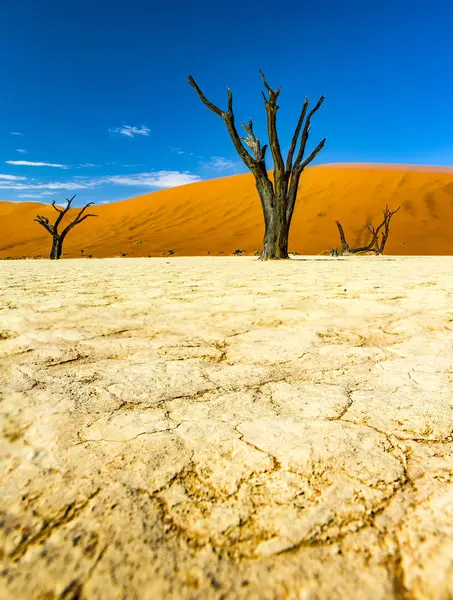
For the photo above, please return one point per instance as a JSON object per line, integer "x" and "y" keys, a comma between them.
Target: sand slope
{"x": 219, "y": 428}
{"x": 225, "y": 214}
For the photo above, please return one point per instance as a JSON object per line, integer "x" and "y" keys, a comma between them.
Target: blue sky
{"x": 99, "y": 89}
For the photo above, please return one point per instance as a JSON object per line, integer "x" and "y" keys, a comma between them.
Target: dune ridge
{"x": 221, "y": 215}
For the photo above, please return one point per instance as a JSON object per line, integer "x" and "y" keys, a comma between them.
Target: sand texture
{"x": 224, "y": 215}
{"x": 221, "y": 428}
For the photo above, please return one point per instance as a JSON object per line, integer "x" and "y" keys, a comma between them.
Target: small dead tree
{"x": 345, "y": 248}
{"x": 379, "y": 245}
{"x": 278, "y": 197}
{"x": 375, "y": 243}
{"x": 58, "y": 237}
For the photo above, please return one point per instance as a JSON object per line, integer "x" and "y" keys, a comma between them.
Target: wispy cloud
{"x": 158, "y": 179}
{"x": 21, "y": 151}
{"x": 27, "y": 163}
{"x": 53, "y": 185}
{"x": 12, "y": 178}
{"x": 87, "y": 165}
{"x": 16, "y": 133}
{"x": 219, "y": 163}
{"x": 37, "y": 195}
{"x": 181, "y": 152}
{"x": 131, "y": 131}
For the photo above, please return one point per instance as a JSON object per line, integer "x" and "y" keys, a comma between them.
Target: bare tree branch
{"x": 253, "y": 142}
{"x": 374, "y": 235}
{"x": 289, "y": 160}
{"x": 74, "y": 223}
{"x": 274, "y": 143}
{"x": 305, "y": 133}
{"x": 388, "y": 214}
{"x": 230, "y": 102}
{"x": 313, "y": 155}
{"x": 44, "y": 221}
{"x": 58, "y": 209}
{"x": 84, "y": 209}
{"x": 344, "y": 243}
{"x": 228, "y": 117}
{"x": 294, "y": 172}
{"x": 62, "y": 211}
{"x": 295, "y": 178}
{"x": 272, "y": 93}
{"x": 203, "y": 98}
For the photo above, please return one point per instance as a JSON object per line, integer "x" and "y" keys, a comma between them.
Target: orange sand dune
{"x": 222, "y": 215}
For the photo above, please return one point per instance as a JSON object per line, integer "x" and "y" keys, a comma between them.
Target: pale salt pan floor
{"x": 225, "y": 428}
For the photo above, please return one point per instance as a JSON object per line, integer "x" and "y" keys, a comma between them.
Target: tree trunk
{"x": 57, "y": 247}
{"x": 275, "y": 244}
{"x": 344, "y": 243}
{"x": 380, "y": 250}
{"x": 376, "y": 245}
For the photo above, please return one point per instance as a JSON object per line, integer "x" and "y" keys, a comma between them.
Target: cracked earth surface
{"x": 222, "y": 428}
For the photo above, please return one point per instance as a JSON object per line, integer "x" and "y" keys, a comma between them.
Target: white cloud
{"x": 12, "y": 178}
{"x": 180, "y": 151}
{"x": 21, "y": 151}
{"x": 16, "y": 133}
{"x": 219, "y": 163}
{"x": 53, "y": 185}
{"x": 37, "y": 195}
{"x": 130, "y": 131}
{"x": 27, "y": 163}
{"x": 88, "y": 165}
{"x": 158, "y": 179}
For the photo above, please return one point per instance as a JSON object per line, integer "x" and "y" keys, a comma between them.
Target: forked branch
{"x": 79, "y": 218}
{"x": 253, "y": 142}
{"x": 228, "y": 118}
{"x": 299, "y": 163}
{"x": 292, "y": 148}
{"x": 272, "y": 107}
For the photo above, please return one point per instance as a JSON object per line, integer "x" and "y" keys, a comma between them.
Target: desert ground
{"x": 223, "y": 215}
{"x": 222, "y": 428}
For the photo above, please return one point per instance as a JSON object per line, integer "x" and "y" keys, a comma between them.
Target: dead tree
{"x": 375, "y": 243}
{"x": 345, "y": 248}
{"x": 379, "y": 245}
{"x": 278, "y": 197}
{"x": 57, "y": 237}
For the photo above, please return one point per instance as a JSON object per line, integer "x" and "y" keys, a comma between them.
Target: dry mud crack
{"x": 276, "y": 438}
